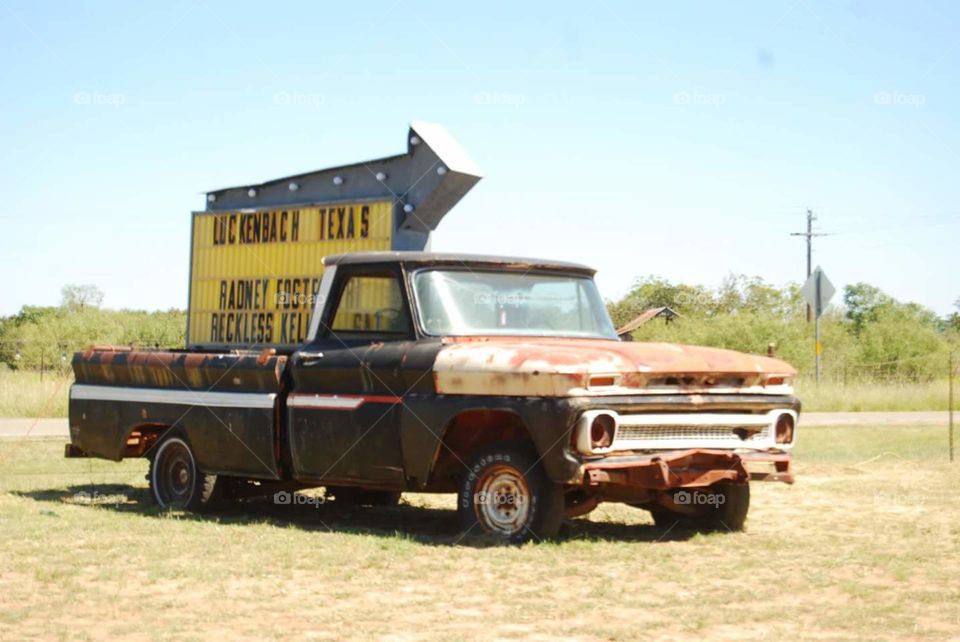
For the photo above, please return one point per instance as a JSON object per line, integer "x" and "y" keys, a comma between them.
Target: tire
{"x": 726, "y": 512}
{"x": 507, "y": 496}
{"x": 667, "y": 519}
{"x": 177, "y": 483}
{"x": 352, "y": 496}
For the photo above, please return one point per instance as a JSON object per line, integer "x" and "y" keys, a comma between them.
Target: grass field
{"x": 865, "y": 546}
{"x": 22, "y": 394}
{"x": 873, "y": 396}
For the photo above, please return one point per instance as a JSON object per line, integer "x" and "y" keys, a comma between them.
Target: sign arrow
{"x": 424, "y": 184}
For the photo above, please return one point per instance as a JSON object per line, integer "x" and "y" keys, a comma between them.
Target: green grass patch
{"x": 851, "y": 444}
{"x": 833, "y": 396}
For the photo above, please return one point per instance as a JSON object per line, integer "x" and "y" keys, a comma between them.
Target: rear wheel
{"x": 507, "y": 495}
{"x": 175, "y": 480}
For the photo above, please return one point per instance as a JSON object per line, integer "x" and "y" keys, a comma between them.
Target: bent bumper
{"x": 694, "y": 468}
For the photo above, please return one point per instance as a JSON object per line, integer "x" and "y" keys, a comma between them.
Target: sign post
{"x": 818, "y": 291}
{"x": 950, "y": 407}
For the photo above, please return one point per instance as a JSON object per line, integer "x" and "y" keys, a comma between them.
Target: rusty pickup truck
{"x": 499, "y": 379}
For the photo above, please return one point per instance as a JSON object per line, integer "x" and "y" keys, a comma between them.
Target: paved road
{"x": 58, "y": 427}
{"x": 34, "y": 428}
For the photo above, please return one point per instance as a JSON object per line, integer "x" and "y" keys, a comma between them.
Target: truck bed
{"x": 225, "y": 403}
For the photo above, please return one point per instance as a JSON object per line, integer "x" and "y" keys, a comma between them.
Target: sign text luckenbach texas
{"x": 256, "y": 273}
{"x": 255, "y": 260}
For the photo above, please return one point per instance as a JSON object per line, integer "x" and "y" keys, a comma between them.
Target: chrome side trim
{"x": 324, "y": 402}
{"x": 182, "y": 397}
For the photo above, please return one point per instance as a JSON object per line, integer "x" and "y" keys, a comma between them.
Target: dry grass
{"x": 22, "y": 394}
{"x": 880, "y": 396}
{"x": 864, "y": 546}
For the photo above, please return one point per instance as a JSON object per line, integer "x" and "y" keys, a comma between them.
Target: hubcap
{"x": 174, "y": 475}
{"x": 502, "y": 501}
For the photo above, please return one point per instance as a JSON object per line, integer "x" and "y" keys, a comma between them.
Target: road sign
{"x": 818, "y": 291}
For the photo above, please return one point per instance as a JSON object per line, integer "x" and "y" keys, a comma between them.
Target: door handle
{"x": 310, "y": 358}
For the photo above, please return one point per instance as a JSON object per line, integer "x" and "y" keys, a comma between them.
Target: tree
{"x": 874, "y": 337}
{"x": 46, "y": 333}
{"x": 901, "y": 340}
{"x": 654, "y": 292}
{"x": 79, "y": 297}
{"x": 953, "y": 320}
{"x": 740, "y": 294}
{"x": 864, "y": 302}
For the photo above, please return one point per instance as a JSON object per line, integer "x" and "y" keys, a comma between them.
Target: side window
{"x": 371, "y": 306}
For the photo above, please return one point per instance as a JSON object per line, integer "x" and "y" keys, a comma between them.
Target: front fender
{"x": 425, "y": 419}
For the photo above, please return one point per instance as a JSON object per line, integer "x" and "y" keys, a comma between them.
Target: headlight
{"x": 601, "y": 431}
{"x": 784, "y": 429}
{"x": 595, "y": 431}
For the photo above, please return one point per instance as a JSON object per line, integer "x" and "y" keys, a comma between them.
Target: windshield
{"x": 475, "y": 302}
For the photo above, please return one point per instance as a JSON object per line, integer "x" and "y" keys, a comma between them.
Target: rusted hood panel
{"x": 512, "y": 365}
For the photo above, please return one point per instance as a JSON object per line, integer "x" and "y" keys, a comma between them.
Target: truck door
{"x": 344, "y": 410}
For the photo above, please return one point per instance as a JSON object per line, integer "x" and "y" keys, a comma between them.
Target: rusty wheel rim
{"x": 502, "y": 501}
{"x": 174, "y": 475}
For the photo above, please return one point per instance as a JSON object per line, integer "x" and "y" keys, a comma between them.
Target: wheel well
{"x": 142, "y": 437}
{"x": 467, "y": 433}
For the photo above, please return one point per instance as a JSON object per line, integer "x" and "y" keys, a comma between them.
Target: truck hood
{"x": 564, "y": 366}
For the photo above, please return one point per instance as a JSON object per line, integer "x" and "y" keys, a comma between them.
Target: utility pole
{"x": 809, "y": 234}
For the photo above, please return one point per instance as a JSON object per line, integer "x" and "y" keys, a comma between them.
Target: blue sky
{"x": 683, "y": 140}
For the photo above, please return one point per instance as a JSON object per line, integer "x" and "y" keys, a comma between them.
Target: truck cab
{"x": 499, "y": 379}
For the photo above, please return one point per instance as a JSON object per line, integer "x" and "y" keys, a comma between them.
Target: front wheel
{"x": 721, "y": 507}
{"x": 175, "y": 480}
{"x": 507, "y": 495}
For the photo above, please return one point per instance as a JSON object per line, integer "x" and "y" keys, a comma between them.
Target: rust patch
{"x": 502, "y": 365}
{"x": 676, "y": 469}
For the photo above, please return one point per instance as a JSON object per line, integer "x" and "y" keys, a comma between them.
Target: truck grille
{"x": 683, "y": 430}
{"x": 738, "y": 434}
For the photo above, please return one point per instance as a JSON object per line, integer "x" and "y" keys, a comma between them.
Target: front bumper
{"x": 692, "y": 468}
